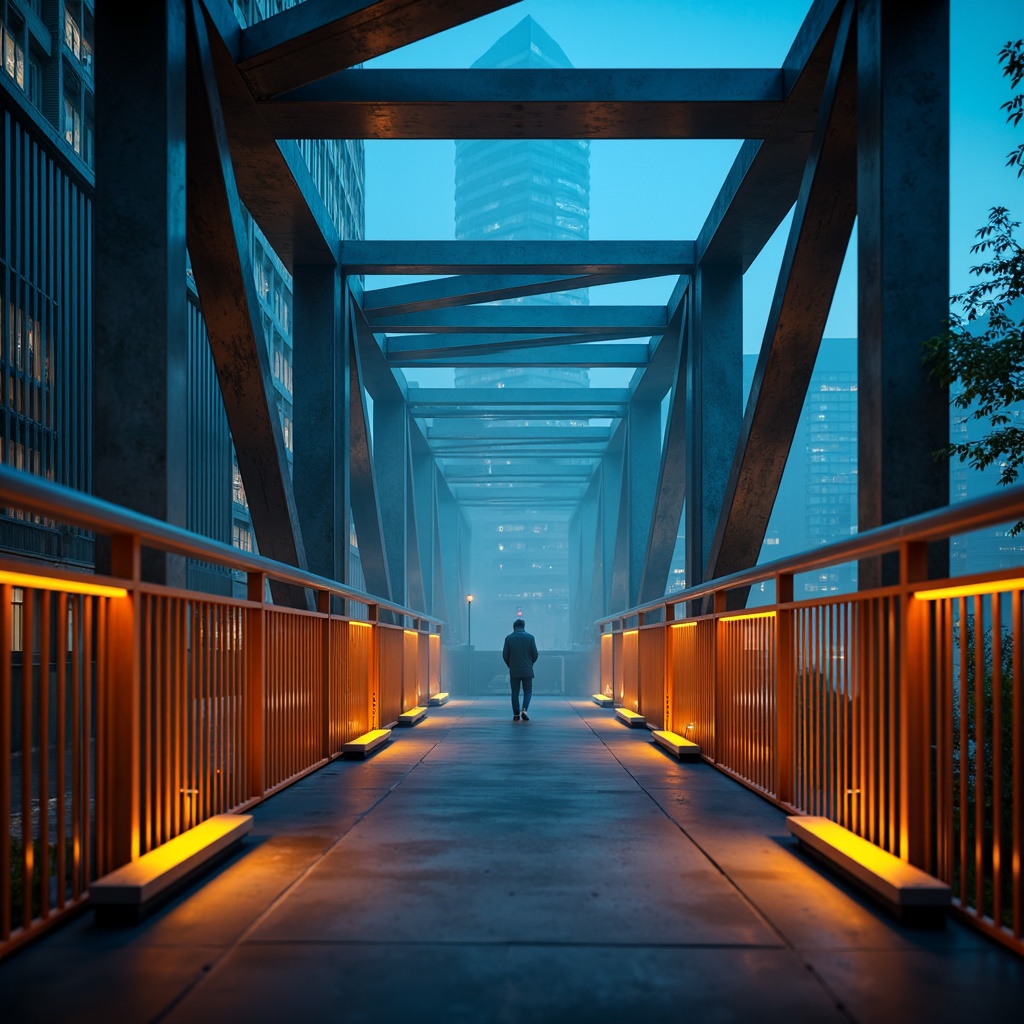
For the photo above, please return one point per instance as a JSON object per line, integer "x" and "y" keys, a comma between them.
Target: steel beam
{"x": 620, "y": 321}
{"x": 219, "y": 250}
{"x": 471, "y": 429}
{"x": 391, "y": 473}
{"x": 764, "y": 181}
{"x": 535, "y": 398}
{"x": 671, "y": 490}
{"x": 140, "y": 359}
{"x": 365, "y": 502}
{"x": 318, "y": 37}
{"x": 810, "y": 269}
{"x": 714, "y": 405}
{"x": 321, "y": 417}
{"x": 457, "y": 347}
{"x": 643, "y": 439}
{"x": 652, "y": 258}
{"x": 903, "y": 259}
{"x": 468, "y": 289}
{"x": 583, "y": 354}
{"x": 538, "y": 103}
{"x": 273, "y": 181}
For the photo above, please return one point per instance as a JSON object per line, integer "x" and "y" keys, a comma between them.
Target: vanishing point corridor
{"x": 478, "y": 869}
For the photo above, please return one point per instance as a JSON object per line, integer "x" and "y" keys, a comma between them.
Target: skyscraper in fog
{"x": 537, "y": 190}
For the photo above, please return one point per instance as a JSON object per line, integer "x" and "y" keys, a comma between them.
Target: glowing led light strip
{"x": 682, "y": 625}
{"x": 748, "y": 615}
{"x": 22, "y": 579}
{"x": 970, "y": 590}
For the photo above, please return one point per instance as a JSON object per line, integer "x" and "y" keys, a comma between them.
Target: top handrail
{"x": 938, "y": 524}
{"x": 44, "y": 497}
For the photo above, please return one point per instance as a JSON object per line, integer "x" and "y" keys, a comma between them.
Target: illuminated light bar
{"x": 631, "y": 632}
{"x": 748, "y": 615}
{"x": 410, "y": 632}
{"x": 682, "y": 625}
{"x": 22, "y": 579}
{"x": 357, "y": 622}
{"x": 970, "y": 590}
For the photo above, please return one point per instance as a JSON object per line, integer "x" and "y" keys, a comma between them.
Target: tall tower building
{"x": 537, "y": 190}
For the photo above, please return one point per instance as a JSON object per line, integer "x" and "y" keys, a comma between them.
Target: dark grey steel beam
{"x": 273, "y": 181}
{"x": 219, "y": 251}
{"x": 321, "y": 416}
{"x": 653, "y": 258}
{"x": 457, "y": 348}
{"x": 643, "y": 442}
{"x": 903, "y": 257}
{"x": 316, "y": 38}
{"x": 764, "y": 181}
{"x": 714, "y": 405}
{"x": 671, "y": 489}
{"x": 365, "y": 502}
{"x": 391, "y": 473}
{"x": 415, "y": 589}
{"x": 545, "y": 494}
{"x": 529, "y": 414}
{"x": 472, "y": 429}
{"x": 467, "y": 289}
{"x": 584, "y": 354}
{"x": 549, "y": 103}
{"x": 424, "y": 512}
{"x": 621, "y": 321}
{"x": 562, "y": 398}
{"x": 140, "y": 359}
{"x": 813, "y": 259}
{"x": 653, "y": 382}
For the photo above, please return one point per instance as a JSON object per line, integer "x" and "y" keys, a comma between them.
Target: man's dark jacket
{"x": 520, "y": 652}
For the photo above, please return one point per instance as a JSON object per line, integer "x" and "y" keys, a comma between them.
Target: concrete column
{"x": 140, "y": 366}
{"x": 903, "y": 262}
{"x": 320, "y": 402}
{"x": 714, "y": 406}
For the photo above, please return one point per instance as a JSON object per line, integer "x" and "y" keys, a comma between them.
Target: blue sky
{"x": 671, "y": 184}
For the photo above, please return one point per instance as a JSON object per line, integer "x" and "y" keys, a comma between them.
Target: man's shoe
{"x": 525, "y": 717}
{"x": 515, "y": 718}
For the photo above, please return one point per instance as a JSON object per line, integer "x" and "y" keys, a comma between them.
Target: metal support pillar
{"x": 903, "y": 263}
{"x": 714, "y": 406}
{"x": 140, "y": 364}
{"x": 643, "y": 439}
{"x": 390, "y": 465}
{"x": 321, "y": 417}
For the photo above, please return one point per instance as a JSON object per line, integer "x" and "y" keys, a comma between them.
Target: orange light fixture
{"x": 970, "y": 590}
{"x": 682, "y": 625}
{"x": 32, "y": 582}
{"x": 748, "y": 615}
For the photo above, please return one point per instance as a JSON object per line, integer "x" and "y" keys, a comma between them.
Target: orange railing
{"x": 130, "y": 712}
{"x": 897, "y": 712}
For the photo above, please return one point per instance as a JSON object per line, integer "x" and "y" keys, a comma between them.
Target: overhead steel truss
{"x": 834, "y": 134}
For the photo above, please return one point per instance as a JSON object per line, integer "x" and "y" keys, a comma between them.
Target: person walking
{"x": 519, "y": 653}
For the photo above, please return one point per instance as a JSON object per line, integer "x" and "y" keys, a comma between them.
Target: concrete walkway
{"x": 479, "y": 869}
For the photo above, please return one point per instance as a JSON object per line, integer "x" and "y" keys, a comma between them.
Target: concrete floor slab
{"x": 478, "y": 869}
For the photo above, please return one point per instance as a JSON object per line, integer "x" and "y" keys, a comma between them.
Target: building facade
{"x": 46, "y": 312}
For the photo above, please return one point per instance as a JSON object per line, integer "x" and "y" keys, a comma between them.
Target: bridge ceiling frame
{"x": 818, "y": 137}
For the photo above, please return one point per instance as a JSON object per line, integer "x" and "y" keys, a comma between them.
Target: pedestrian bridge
{"x": 479, "y": 869}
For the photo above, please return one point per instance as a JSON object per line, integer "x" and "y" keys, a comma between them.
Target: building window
{"x": 72, "y": 125}
{"x": 14, "y": 57}
{"x": 72, "y": 34}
